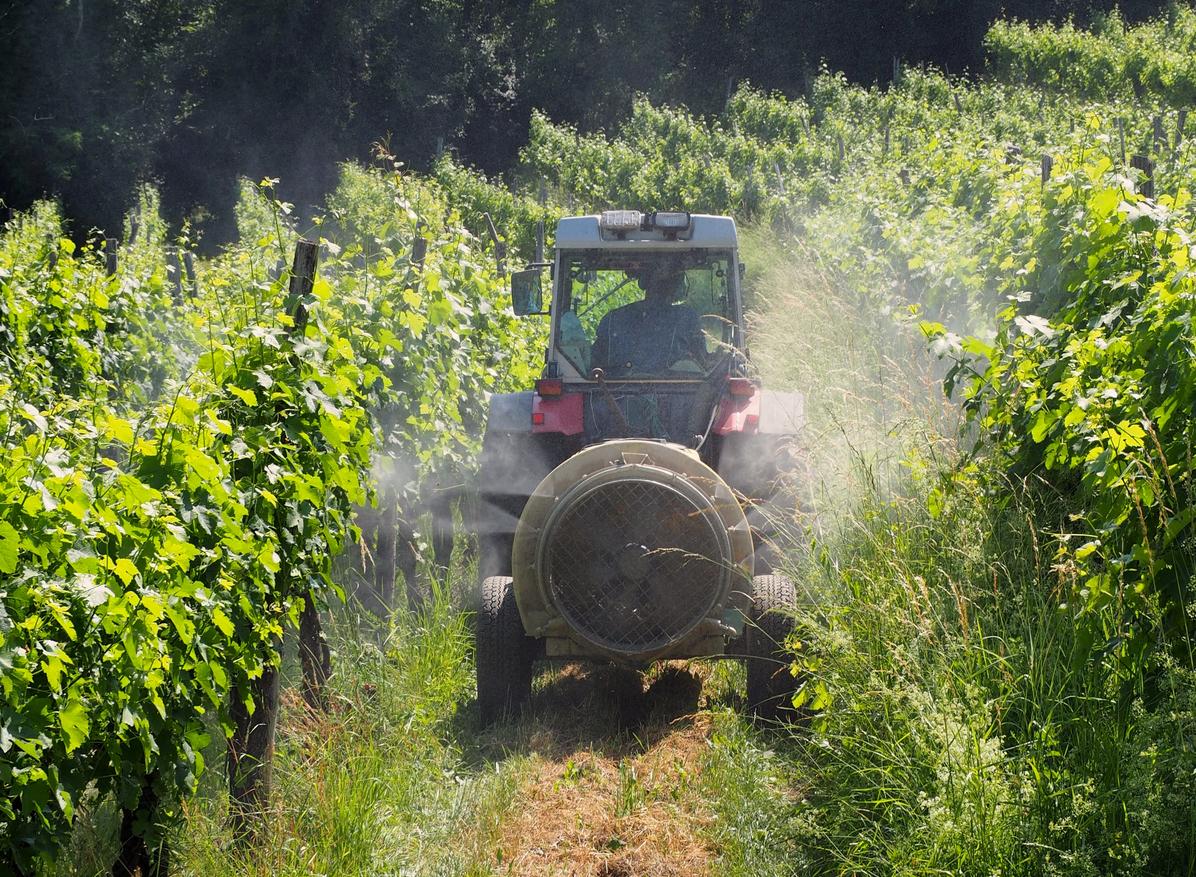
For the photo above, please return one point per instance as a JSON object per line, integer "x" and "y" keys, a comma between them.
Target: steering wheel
{"x": 688, "y": 365}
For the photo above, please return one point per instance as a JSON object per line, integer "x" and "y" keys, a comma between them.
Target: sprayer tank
{"x": 633, "y": 550}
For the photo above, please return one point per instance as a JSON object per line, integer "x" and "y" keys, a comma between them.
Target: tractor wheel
{"x": 770, "y": 683}
{"x": 504, "y": 652}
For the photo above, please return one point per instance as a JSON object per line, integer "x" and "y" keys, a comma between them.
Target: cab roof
{"x": 585, "y": 232}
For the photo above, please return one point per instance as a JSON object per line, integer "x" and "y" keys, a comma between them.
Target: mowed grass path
{"x": 610, "y": 773}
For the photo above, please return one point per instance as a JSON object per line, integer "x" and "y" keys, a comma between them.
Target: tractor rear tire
{"x": 770, "y": 680}
{"x": 504, "y": 653}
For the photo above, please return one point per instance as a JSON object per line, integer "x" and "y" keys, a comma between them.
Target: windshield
{"x": 645, "y": 314}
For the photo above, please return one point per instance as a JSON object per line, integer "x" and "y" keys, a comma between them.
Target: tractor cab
{"x": 646, "y": 323}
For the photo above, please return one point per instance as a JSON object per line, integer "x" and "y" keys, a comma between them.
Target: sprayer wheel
{"x": 770, "y": 682}
{"x": 504, "y": 652}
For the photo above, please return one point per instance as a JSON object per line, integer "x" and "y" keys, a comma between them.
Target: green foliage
{"x": 1000, "y": 651}
{"x": 660, "y": 158}
{"x": 149, "y": 562}
{"x": 968, "y": 728}
{"x": 1088, "y": 385}
{"x": 182, "y": 467}
{"x": 514, "y": 215}
{"x": 1109, "y": 62}
{"x": 893, "y": 187}
{"x": 748, "y": 784}
{"x": 441, "y": 329}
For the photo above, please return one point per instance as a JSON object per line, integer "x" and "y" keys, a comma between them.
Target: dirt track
{"x": 614, "y": 789}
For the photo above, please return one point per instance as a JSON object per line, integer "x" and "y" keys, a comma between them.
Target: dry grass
{"x": 613, "y": 790}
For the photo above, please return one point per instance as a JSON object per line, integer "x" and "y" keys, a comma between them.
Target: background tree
{"x": 97, "y": 95}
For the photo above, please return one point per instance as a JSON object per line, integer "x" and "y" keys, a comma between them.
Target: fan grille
{"x": 633, "y": 565}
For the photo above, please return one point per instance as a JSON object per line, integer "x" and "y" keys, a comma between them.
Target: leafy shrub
{"x": 1089, "y": 384}
{"x": 183, "y": 467}
{"x": 1111, "y": 62}
{"x": 148, "y": 564}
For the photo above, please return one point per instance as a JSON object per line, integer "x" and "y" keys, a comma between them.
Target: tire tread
{"x": 770, "y": 684}
{"x": 504, "y": 652}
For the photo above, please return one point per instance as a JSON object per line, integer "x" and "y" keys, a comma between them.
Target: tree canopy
{"x": 97, "y": 95}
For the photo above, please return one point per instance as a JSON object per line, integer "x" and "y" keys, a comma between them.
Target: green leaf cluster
{"x": 1091, "y": 387}
{"x": 1111, "y": 61}
{"x": 183, "y": 462}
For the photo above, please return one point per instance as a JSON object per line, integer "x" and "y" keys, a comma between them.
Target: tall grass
{"x": 753, "y": 790}
{"x": 966, "y": 729}
{"x": 391, "y": 782}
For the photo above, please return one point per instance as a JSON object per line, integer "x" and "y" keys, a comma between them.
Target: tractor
{"x": 631, "y": 502}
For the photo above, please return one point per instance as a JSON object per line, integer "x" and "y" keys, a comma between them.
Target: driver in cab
{"x": 653, "y": 335}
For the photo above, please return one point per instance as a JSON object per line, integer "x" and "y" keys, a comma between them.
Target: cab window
{"x": 645, "y": 314}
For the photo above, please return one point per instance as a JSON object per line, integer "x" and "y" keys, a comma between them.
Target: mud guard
{"x": 510, "y": 412}
{"x": 513, "y": 462}
{"x": 767, "y": 469}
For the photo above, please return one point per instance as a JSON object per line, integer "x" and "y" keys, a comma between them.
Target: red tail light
{"x": 741, "y": 387}
{"x": 550, "y": 386}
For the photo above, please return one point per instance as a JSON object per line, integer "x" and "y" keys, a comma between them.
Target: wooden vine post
{"x": 314, "y": 654}
{"x": 189, "y": 272}
{"x": 110, "y": 257}
{"x": 174, "y": 269}
{"x": 251, "y": 747}
{"x": 135, "y": 857}
{"x": 1144, "y": 164}
{"x": 500, "y": 247}
{"x": 543, "y": 199}
{"x": 385, "y": 544}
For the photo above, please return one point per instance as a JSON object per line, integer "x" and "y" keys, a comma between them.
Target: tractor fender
{"x": 782, "y": 413}
{"x": 755, "y": 465}
{"x": 752, "y": 460}
{"x": 510, "y": 412}
{"x": 527, "y": 412}
{"x": 768, "y": 470}
{"x": 764, "y": 412}
{"x": 513, "y": 461}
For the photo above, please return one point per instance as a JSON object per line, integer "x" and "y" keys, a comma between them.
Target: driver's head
{"x": 660, "y": 281}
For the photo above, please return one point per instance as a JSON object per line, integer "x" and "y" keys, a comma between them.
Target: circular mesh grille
{"x": 633, "y": 565}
